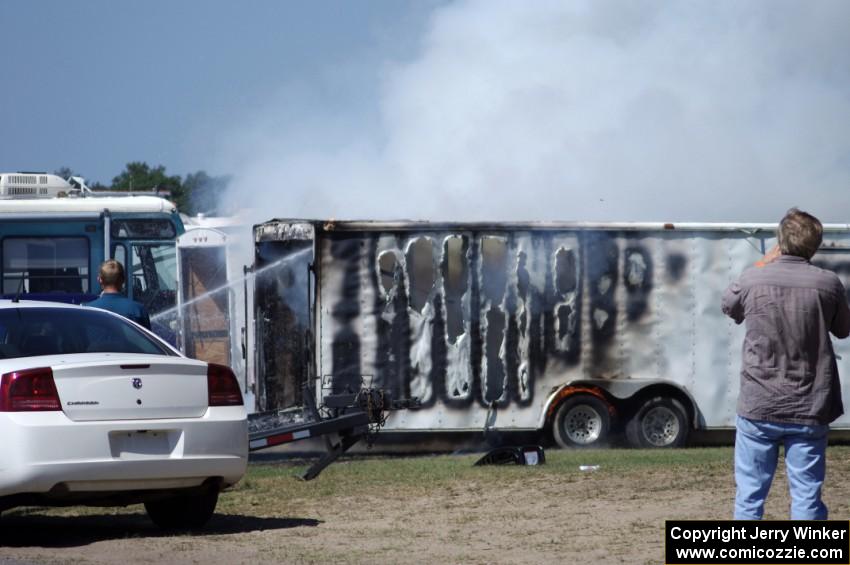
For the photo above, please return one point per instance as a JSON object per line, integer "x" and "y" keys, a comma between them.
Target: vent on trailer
{"x": 34, "y": 185}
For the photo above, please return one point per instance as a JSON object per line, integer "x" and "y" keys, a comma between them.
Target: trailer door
{"x": 283, "y": 315}
{"x": 835, "y": 256}
{"x": 204, "y": 297}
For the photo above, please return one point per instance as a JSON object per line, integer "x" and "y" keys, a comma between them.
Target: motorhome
{"x": 54, "y": 235}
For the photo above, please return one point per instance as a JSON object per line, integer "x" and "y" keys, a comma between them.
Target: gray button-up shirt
{"x": 788, "y": 369}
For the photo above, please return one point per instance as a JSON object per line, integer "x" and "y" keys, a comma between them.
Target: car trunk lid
{"x": 132, "y": 388}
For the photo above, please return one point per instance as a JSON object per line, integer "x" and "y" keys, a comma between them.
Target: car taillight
{"x": 222, "y": 386}
{"x": 29, "y": 390}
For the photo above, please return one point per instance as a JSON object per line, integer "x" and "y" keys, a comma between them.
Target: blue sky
{"x": 94, "y": 84}
{"x": 595, "y": 110}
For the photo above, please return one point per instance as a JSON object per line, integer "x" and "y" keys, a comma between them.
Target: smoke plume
{"x": 596, "y": 111}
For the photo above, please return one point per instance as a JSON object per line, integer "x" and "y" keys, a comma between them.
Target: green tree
{"x": 205, "y": 193}
{"x": 139, "y": 176}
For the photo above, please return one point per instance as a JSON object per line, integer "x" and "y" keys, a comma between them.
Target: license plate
{"x": 140, "y": 444}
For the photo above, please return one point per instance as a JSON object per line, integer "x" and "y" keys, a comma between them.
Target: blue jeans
{"x": 756, "y": 454}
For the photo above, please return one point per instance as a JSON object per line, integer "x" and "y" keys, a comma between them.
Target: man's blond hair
{"x": 111, "y": 273}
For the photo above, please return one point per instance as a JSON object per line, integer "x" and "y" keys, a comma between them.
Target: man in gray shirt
{"x": 790, "y": 390}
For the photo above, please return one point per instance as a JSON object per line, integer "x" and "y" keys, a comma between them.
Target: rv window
{"x": 148, "y": 228}
{"x": 153, "y": 276}
{"x": 56, "y": 264}
{"x": 119, "y": 253}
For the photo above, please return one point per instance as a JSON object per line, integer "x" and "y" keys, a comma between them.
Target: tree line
{"x": 195, "y": 193}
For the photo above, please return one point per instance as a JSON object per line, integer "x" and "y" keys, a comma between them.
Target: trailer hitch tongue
{"x": 371, "y": 402}
{"x": 350, "y": 416}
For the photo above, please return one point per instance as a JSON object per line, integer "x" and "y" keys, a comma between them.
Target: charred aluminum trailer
{"x": 580, "y": 329}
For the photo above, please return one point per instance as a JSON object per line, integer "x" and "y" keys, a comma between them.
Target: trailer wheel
{"x": 183, "y": 512}
{"x": 582, "y": 420}
{"x": 659, "y": 422}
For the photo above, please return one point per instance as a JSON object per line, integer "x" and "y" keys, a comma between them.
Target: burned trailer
{"x": 577, "y": 328}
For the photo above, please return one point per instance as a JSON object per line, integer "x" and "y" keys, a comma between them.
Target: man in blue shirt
{"x": 112, "y": 298}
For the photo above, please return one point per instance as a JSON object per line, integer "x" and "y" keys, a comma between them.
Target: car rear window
{"x": 32, "y": 332}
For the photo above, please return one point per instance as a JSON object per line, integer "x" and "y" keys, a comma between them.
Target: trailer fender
{"x": 565, "y": 391}
{"x": 616, "y": 393}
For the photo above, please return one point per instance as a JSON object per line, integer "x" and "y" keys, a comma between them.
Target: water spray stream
{"x": 165, "y": 314}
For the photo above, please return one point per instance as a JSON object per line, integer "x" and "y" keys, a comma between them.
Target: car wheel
{"x": 183, "y": 512}
{"x": 582, "y": 420}
{"x": 659, "y": 422}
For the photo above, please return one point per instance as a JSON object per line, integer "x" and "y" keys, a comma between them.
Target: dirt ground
{"x": 552, "y": 514}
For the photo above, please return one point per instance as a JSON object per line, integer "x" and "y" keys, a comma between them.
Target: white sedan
{"x": 96, "y": 410}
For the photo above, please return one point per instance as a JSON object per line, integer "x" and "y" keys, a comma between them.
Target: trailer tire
{"x": 183, "y": 512}
{"x": 582, "y": 420}
{"x": 660, "y": 422}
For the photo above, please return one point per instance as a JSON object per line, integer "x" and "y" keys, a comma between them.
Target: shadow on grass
{"x": 34, "y": 530}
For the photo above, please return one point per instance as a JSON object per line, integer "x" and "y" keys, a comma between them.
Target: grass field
{"x": 422, "y": 475}
{"x": 440, "y": 509}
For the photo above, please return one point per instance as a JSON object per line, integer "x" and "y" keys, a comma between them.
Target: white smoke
{"x": 552, "y": 110}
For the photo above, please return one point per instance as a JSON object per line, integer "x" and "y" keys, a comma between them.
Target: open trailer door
{"x": 834, "y": 254}
{"x": 204, "y": 296}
